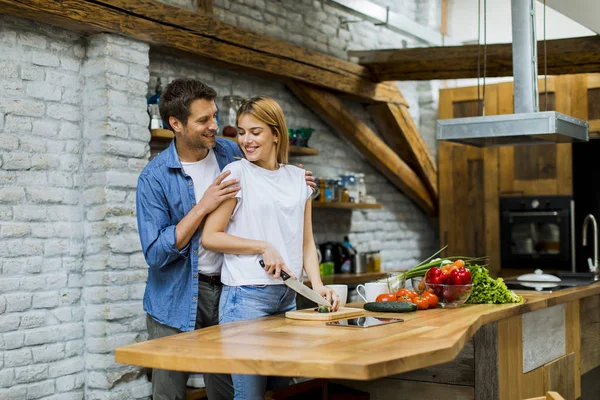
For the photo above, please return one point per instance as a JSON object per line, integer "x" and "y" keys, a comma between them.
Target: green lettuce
{"x": 489, "y": 290}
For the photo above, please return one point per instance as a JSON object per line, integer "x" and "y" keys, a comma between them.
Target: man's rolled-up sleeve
{"x": 157, "y": 233}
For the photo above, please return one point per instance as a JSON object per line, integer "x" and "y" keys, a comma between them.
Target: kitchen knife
{"x": 300, "y": 288}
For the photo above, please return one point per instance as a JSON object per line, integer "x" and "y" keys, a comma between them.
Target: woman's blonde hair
{"x": 269, "y": 112}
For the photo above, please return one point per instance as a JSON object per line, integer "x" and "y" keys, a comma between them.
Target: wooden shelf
{"x": 167, "y": 135}
{"x": 348, "y": 279}
{"x": 345, "y": 206}
{"x": 303, "y": 151}
{"x": 161, "y": 134}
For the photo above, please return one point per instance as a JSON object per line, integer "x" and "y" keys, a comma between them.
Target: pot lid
{"x": 539, "y": 276}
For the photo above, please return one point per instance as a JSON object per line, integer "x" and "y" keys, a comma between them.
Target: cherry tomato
{"x": 431, "y": 298}
{"x": 385, "y": 298}
{"x": 404, "y": 299}
{"x": 459, "y": 263}
{"x": 406, "y": 293}
{"x": 422, "y": 303}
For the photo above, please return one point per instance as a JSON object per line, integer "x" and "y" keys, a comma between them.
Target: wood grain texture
{"x": 544, "y": 336}
{"x": 399, "y": 131}
{"x": 312, "y": 315}
{"x": 204, "y": 7}
{"x": 573, "y": 339}
{"x": 513, "y": 383}
{"x": 486, "y": 361}
{"x": 186, "y": 32}
{"x": 560, "y": 376}
{"x": 281, "y": 346}
{"x": 331, "y": 109}
{"x": 510, "y": 361}
{"x": 460, "y": 371}
{"x": 564, "y": 56}
{"x": 467, "y": 175}
{"x": 589, "y": 317}
{"x": 540, "y": 169}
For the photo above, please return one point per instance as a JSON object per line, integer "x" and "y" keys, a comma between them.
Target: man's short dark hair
{"x": 176, "y": 99}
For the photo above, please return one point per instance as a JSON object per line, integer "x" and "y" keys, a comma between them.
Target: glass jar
{"x": 227, "y": 115}
{"x": 361, "y": 187}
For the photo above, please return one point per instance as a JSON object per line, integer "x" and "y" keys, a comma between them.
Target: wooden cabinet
{"x": 471, "y": 180}
{"x": 468, "y": 183}
{"x": 541, "y": 169}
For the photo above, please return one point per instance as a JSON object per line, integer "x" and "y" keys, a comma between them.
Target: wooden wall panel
{"x": 589, "y": 317}
{"x": 559, "y": 376}
{"x": 460, "y": 371}
{"x": 573, "y": 338}
{"x": 468, "y": 181}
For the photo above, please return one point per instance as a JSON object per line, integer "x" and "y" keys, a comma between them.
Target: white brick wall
{"x": 116, "y": 75}
{"x": 40, "y": 226}
{"x": 73, "y": 140}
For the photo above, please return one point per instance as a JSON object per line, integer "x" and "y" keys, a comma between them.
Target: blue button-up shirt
{"x": 165, "y": 194}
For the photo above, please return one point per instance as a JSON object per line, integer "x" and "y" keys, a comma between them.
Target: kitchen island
{"x": 510, "y": 351}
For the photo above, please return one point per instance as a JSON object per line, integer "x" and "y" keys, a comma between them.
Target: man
{"x": 175, "y": 192}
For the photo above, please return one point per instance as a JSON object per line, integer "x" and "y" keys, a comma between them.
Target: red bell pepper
{"x": 435, "y": 276}
{"x": 460, "y": 276}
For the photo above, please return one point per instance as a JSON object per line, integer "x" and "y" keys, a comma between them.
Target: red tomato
{"x": 431, "y": 298}
{"x": 405, "y": 299}
{"x": 406, "y": 293}
{"x": 422, "y": 303}
{"x": 385, "y": 298}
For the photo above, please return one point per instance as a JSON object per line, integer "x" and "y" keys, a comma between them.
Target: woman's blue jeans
{"x": 239, "y": 303}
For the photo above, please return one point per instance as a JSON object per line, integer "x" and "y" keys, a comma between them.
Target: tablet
{"x": 364, "y": 322}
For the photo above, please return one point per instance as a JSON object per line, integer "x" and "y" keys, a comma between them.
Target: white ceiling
{"x": 585, "y": 12}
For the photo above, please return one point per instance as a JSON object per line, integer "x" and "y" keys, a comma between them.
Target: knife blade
{"x": 300, "y": 288}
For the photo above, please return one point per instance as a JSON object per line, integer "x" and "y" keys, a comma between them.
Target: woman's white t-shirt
{"x": 270, "y": 207}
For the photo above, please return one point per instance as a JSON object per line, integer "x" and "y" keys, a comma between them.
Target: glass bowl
{"x": 416, "y": 282}
{"x": 450, "y": 296}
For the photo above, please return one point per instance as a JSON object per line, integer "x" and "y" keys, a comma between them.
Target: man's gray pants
{"x": 170, "y": 385}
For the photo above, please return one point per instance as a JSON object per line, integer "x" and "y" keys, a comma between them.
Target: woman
{"x": 269, "y": 220}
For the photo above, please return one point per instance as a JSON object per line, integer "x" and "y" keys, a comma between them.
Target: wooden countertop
{"x": 284, "y": 347}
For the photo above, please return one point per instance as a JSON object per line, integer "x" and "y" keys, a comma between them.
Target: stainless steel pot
{"x": 359, "y": 263}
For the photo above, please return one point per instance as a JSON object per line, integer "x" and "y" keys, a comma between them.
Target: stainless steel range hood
{"x": 527, "y": 125}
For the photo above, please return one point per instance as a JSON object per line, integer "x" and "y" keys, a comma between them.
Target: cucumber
{"x": 395, "y": 307}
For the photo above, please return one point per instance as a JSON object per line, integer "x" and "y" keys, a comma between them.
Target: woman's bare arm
{"x": 214, "y": 238}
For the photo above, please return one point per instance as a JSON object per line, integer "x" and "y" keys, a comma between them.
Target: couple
{"x": 189, "y": 215}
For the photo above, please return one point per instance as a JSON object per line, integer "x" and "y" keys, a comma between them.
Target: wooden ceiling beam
{"x": 186, "y": 32}
{"x": 399, "y": 131}
{"x": 564, "y": 56}
{"x": 331, "y": 109}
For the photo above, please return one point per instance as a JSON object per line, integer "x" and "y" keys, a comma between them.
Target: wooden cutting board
{"x": 311, "y": 315}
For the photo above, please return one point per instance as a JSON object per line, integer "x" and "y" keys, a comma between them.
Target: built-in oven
{"x": 537, "y": 232}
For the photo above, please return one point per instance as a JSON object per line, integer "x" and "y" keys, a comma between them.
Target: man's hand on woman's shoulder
{"x": 310, "y": 179}
{"x": 219, "y": 191}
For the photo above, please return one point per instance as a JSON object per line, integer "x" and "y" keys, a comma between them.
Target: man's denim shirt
{"x": 165, "y": 194}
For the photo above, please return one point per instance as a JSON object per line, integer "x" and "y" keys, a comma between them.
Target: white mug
{"x": 341, "y": 291}
{"x": 372, "y": 290}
